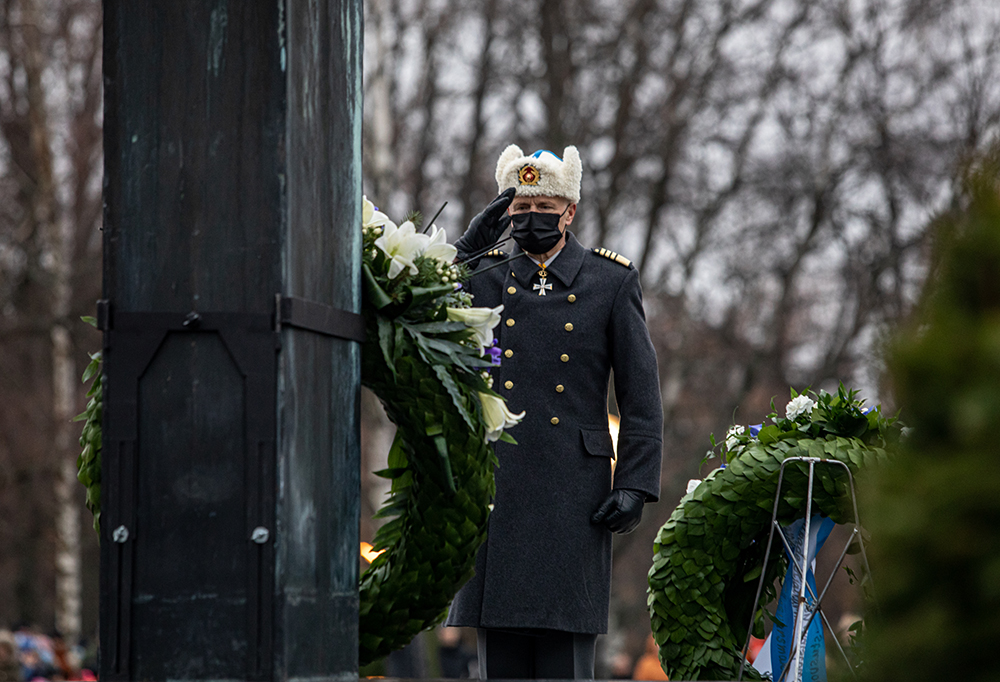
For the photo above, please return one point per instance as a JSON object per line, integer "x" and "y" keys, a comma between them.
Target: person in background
{"x": 454, "y": 656}
{"x": 620, "y": 667}
{"x": 32, "y": 666}
{"x": 10, "y": 668}
{"x": 65, "y": 660}
{"x": 648, "y": 666}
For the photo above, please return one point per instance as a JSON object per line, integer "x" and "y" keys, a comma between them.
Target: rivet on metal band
{"x": 260, "y": 535}
{"x": 120, "y": 535}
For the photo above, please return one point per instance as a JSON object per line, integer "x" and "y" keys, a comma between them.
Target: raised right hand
{"x": 488, "y": 225}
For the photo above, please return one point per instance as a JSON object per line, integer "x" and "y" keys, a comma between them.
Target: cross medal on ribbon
{"x": 541, "y": 287}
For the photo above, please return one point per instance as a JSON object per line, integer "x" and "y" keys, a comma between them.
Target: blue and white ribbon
{"x": 812, "y": 662}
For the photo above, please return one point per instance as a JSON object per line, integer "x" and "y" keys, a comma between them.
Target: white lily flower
{"x": 497, "y": 416}
{"x": 402, "y": 245}
{"x": 799, "y": 405}
{"x": 692, "y": 485}
{"x": 438, "y": 247}
{"x": 370, "y": 217}
{"x": 732, "y": 436}
{"x": 480, "y": 320}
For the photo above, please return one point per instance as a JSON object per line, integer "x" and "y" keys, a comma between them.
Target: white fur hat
{"x": 541, "y": 174}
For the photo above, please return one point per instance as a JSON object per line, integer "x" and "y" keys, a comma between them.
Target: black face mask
{"x": 536, "y": 232}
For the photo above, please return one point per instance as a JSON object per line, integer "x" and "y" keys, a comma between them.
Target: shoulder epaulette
{"x": 616, "y": 257}
{"x": 496, "y": 252}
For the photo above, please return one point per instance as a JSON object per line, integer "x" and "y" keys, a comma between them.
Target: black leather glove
{"x": 621, "y": 511}
{"x": 486, "y": 228}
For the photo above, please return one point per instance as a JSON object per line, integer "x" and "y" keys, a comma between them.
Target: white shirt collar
{"x": 549, "y": 261}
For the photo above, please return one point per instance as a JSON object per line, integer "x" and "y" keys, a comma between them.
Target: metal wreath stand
{"x": 803, "y": 619}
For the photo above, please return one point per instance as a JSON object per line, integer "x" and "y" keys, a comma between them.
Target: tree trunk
{"x": 57, "y": 250}
{"x": 68, "y": 576}
{"x": 379, "y": 94}
{"x": 67, "y": 560}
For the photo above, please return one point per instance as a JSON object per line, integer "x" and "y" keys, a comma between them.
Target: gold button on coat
{"x": 569, "y": 326}
{"x": 559, "y": 388}
{"x": 564, "y": 357}
{"x": 510, "y": 323}
{"x": 571, "y": 298}
{"x": 511, "y": 290}
{"x": 554, "y": 420}
{"x": 508, "y": 384}
{"x": 508, "y": 353}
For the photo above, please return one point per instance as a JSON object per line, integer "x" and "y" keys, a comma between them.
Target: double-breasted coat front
{"x": 544, "y": 565}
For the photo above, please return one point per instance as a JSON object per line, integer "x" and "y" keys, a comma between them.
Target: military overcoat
{"x": 544, "y": 565}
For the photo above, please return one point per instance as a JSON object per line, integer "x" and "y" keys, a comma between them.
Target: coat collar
{"x": 564, "y": 268}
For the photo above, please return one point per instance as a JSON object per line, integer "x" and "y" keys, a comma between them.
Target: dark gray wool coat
{"x": 544, "y": 565}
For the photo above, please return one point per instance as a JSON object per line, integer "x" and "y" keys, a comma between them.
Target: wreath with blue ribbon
{"x": 708, "y": 557}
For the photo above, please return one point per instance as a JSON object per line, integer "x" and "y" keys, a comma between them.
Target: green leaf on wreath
{"x": 442, "y": 447}
{"x": 376, "y": 294}
{"x": 91, "y": 370}
{"x": 389, "y": 510}
{"x": 439, "y": 327}
{"x": 421, "y": 295}
{"x": 457, "y": 399}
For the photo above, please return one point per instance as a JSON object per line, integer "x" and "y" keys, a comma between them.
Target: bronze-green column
{"x": 232, "y": 293}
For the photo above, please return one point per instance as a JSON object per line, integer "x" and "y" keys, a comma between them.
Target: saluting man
{"x": 571, "y": 315}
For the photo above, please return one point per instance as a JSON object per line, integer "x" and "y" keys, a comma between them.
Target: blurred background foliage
{"x": 771, "y": 166}
{"x": 935, "y": 509}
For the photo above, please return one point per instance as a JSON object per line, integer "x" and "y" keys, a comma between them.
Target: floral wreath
{"x": 708, "y": 556}
{"x": 428, "y": 358}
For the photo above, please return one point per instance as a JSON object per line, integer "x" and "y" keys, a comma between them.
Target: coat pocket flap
{"x": 597, "y": 442}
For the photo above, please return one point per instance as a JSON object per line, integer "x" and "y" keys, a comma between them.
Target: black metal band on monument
{"x": 291, "y": 312}
{"x": 320, "y": 318}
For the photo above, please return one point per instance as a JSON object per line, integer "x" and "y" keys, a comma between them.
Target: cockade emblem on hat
{"x": 528, "y": 175}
